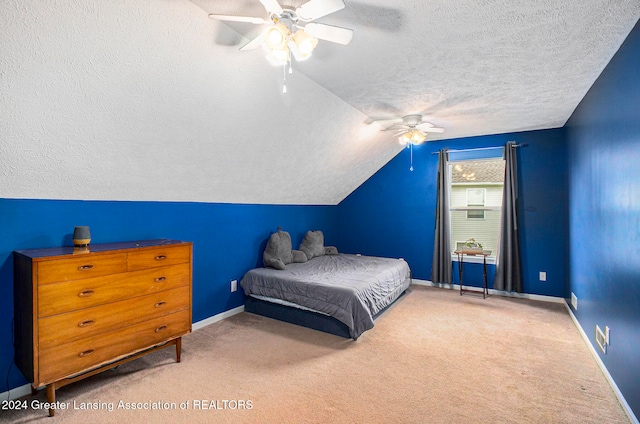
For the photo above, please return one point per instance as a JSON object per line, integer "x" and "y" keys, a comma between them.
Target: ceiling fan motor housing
{"x": 412, "y": 120}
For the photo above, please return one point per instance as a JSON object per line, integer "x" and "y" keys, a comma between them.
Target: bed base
{"x": 297, "y": 316}
{"x": 302, "y": 317}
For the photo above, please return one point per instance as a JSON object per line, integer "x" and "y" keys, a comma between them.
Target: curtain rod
{"x": 480, "y": 148}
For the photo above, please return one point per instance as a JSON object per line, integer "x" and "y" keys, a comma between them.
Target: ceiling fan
{"x": 291, "y": 30}
{"x": 411, "y": 129}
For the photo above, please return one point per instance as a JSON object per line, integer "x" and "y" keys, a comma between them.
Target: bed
{"x": 337, "y": 293}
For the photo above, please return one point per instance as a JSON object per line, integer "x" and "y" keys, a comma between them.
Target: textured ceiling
{"x": 152, "y": 100}
{"x": 474, "y": 67}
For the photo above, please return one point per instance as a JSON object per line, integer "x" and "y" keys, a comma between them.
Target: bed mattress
{"x": 350, "y": 288}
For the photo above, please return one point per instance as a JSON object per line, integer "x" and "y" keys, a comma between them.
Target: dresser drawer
{"x": 80, "y": 294}
{"x": 159, "y": 256}
{"x": 72, "y": 326}
{"x": 83, "y": 266}
{"x": 81, "y": 355}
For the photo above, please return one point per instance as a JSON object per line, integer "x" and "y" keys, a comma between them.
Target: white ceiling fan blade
{"x": 385, "y": 119}
{"x": 432, "y": 130}
{"x": 253, "y": 44}
{"x": 329, "y": 33}
{"x": 257, "y": 21}
{"x": 272, "y": 6}
{"x": 428, "y": 127}
{"x": 396, "y": 127}
{"x": 424, "y": 125}
{"x": 314, "y": 9}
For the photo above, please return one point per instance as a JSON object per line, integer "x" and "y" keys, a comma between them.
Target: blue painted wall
{"x": 393, "y": 212}
{"x": 228, "y": 241}
{"x": 604, "y": 203}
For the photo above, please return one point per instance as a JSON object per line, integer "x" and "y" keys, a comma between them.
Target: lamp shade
{"x": 276, "y": 36}
{"x": 302, "y": 45}
{"x": 81, "y": 236}
{"x": 404, "y": 139}
{"x": 417, "y": 137}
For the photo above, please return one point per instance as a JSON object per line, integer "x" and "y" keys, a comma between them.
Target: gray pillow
{"x": 313, "y": 244}
{"x": 299, "y": 256}
{"x": 330, "y": 250}
{"x": 277, "y": 254}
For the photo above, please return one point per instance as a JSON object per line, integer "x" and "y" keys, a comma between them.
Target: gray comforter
{"x": 350, "y": 288}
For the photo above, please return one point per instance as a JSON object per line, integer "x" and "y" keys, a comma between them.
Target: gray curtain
{"x": 508, "y": 268}
{"x": 441, "y": 266}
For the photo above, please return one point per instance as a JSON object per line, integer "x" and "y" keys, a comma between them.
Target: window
{"x": 475, "y": 198}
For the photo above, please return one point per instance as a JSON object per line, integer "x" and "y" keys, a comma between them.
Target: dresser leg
{"x": 178, "y": 348}
{"x": 51, "y": 397}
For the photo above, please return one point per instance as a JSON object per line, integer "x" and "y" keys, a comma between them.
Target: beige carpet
{"x": 433, "y": 357}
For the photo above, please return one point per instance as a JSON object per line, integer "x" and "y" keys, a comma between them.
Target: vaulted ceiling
{"x": 152, "y": 100}
{"x": 473, "y": 67}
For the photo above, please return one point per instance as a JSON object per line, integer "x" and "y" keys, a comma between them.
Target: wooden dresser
{"x": 78, "y": 314}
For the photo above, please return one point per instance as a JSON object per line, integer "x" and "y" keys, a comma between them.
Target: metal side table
{"x": 473, "y": 252}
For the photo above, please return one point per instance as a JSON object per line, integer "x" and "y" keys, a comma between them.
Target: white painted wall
{"x": 151, "y": 100}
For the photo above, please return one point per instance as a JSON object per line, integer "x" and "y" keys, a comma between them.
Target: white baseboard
{"x": 20, "y": 391}
{"x": 211, "y": 320}
{"x": 603, "y": 367}
{"x": 16, "y": 393}
{"x": 539, "y": 297}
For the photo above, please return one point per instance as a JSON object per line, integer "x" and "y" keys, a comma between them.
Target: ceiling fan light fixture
{"x": 276, "y": 36}
{"x": 418, "y": 137}
{"x": 280, "y": 41}
{"x": 305, "y": 43}
{"x": 278, "y": 57}
{"x": 280, "y": 35}
{"x": 404, "y": 139}
{"x": 413, "y": 136}
{"x": 302, "y": 45}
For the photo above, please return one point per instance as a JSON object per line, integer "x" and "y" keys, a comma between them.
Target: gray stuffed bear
{"x": 279, "y": 253}
{"x": 313, "y": 245}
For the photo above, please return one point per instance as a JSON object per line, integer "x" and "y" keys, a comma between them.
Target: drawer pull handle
{"x": 157, "y": 280}
{"x": 86, "y": 323}
{"x": 161, "y": 257}
{"x": 159, "y": 304}
{"x": 86, "y": 353}
{"x": 86, "y": 293}
{"x": 85, "y": 267}
{"x": 161, "y": 328}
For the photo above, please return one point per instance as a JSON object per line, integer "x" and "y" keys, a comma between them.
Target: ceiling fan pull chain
{"x": 411, "y": 153}
{"x": 284, "y": 84}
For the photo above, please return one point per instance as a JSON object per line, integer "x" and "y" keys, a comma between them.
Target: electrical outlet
{"x": 574, "y": 301}
{"x": 543, "y": 276}
{"x": 234, "y": 285}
